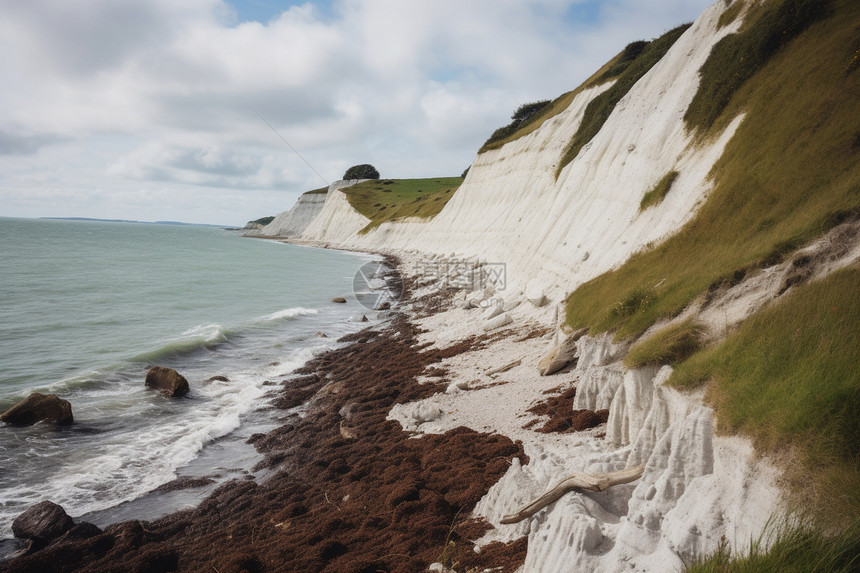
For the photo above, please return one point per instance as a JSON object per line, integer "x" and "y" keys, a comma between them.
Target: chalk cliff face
{"x": 559, "y": 233}
{"x": 296, "y": 220}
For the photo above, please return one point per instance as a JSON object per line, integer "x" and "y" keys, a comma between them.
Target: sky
{"x": 224, "y": 111}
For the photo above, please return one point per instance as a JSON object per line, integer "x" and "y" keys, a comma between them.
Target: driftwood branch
{"x": 505, "y": 368}
{"x": 579, "y": 481}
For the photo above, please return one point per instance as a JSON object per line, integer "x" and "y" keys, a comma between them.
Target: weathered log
{"x": 578, "y": 481}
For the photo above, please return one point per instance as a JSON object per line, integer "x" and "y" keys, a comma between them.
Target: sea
{"x": 88, "y": 307}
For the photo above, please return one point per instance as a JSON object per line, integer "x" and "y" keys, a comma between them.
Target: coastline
{"x": 433, "y": 428}
{"x": 347, "y": 489}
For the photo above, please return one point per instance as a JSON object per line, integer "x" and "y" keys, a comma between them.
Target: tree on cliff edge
{"x": 363, "y": 171}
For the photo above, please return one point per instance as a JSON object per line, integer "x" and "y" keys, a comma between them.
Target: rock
{"x": 43, "y": 522}
{"x": 218, "y": 379}
{"x": 37, "y": 407}
{"x": 457, "y": 386}
{"x": 168, "y": 380}
{"x": 384, "y": 306}
{"x": 498, "y": 322}
{"x": 339, "y": 299}
{"x": 83, "y": 530}
{"x": 561, "y": 355}
{"x": 359, "y": 318}
{"x": 534, "y": 294}
{"x": 493, "y": 311}
{"x": 321, "y": 334}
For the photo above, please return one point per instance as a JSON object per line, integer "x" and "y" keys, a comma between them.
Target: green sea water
{"x": 87, "y": 307}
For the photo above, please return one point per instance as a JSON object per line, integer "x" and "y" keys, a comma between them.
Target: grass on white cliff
{"x": 798, "y": 547}
{"x": 319, "y": 191}
{"x": 609, "y": 71}
{"x": 790, "y": 173}
{"x": 790, "y": 378}
{"x": 383, "y": 200}
{"x": 600, "y": 108}
{"x": 657, "y": 193}
{"x": 669, "y": 345}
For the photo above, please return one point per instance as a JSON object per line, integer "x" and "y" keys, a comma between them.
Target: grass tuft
{"x": 670, "y": 345}
{"x": 600, "y": 108}
{"x": 319, "y": 191}
{"x": 392, "y": 199}
{"x": 799, "y": 547}
{"x": 731, "y": 13}
{"x": 657, "y": 193}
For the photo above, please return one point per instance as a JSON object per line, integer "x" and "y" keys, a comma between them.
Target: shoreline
{"x": 385, "y": 501}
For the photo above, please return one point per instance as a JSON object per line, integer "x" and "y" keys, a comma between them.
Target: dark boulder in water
{"x": 339, "y": 299}
{"x": 37, "y": 407}
{"x": 168, "y": 380}
{"x": 43, "y": 522}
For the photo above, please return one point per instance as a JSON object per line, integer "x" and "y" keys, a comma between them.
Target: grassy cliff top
{"x": 383, "y": 200}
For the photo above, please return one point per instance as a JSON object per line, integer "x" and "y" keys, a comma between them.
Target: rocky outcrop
{"x": 168, "y": 381}
{"x": 42, "y": 523}
{"x": 39, "y": 407}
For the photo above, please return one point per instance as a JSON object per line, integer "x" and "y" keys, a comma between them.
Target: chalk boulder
{"x": 561, "y": 355}
{"x": 498, "y": 322}
{"x": 168, "y": 381}
{"x": 38, "y": 407}
{"x": 43, "y": 522}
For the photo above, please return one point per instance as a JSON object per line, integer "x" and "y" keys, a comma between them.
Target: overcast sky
{"x": 151, "y": 109}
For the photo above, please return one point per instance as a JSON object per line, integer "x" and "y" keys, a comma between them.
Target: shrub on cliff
{"x": 519, "y": 118}
{"x": 363, "y": 171}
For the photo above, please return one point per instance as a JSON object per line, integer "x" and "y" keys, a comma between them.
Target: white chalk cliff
{"x": 294, "y": 222}
{"x": 553, "y": 235}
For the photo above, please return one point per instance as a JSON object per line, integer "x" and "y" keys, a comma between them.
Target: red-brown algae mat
{"x": 350, "y": 492}
{"x": 562, "y": 417}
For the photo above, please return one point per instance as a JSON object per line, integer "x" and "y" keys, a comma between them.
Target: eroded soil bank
{"x": 349, "y": 491}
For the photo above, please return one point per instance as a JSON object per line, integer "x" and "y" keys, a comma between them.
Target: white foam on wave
{"x": 291, "y": 313}
{"x": 207, "y": 332}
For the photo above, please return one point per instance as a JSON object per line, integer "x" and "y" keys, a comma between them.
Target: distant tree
{"x": 363, "y": 171}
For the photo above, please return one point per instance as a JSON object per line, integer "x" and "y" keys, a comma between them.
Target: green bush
{"x": 363, "y": 171}
{"x": 631, "y": 52}
{"x": 600, "y": 108}
{"x": 519, "y": 118}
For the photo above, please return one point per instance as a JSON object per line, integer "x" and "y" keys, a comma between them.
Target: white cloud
{"x": 138, "y": 98}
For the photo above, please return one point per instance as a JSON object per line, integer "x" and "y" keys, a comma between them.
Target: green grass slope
{"x": 383, "y": 200}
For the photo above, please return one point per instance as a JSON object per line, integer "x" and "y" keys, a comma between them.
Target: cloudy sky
{"x": 158, "y": 109}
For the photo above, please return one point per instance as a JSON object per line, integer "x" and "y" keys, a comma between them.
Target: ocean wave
{"x": 203, "y": 336}
{"x": 290, "y": 313}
